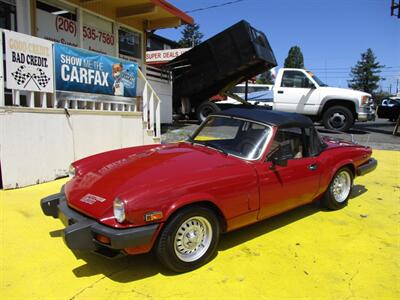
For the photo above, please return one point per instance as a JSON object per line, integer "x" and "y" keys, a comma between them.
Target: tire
{"x": 206, "y": 108}
{"x": 338, "y": 118}
{"x": 339, "y": 190}
{"x": 189, "y": 239}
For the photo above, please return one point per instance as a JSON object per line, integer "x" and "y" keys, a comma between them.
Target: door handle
{"x": 280, "y": 92}
{"x": 312, "y": 167}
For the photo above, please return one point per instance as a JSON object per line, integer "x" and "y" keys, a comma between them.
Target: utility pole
{"x": 397, "y": 86}
{"x": 395, "y": 6}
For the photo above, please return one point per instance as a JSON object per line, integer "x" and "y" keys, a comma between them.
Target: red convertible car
{"x": 240, "y": 166}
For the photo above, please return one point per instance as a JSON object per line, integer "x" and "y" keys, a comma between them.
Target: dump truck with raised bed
{"x": 217, "y": 65}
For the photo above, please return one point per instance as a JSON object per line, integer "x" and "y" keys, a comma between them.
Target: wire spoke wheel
{"x": 189, "y": 238}
{"x": 339, "y": 190}
{"x": 192, "y": 239}
{"x": 341, "y": 186}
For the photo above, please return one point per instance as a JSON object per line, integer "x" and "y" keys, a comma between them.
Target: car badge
{"x": 91, "y": 199}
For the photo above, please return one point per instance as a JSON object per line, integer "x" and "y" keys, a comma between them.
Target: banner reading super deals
{"x": 84, "y": 71}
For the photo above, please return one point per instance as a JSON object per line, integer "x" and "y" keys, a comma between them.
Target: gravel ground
{"x": 376, "y": 134}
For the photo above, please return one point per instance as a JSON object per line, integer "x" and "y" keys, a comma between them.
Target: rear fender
{"x": 329, "y": 175}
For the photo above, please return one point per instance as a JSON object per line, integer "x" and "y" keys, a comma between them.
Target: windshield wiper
{"x": 218, "y": 147}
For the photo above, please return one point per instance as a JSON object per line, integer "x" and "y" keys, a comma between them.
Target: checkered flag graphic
{"x": 21, "y": 75}
{"x": 42, "y": 78}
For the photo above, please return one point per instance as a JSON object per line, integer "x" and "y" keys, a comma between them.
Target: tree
{"x": 365, "y": 74}
{"x": 191, "y": 36}
{"x": 265, "y": 78}
{"x": 295, "y": 58}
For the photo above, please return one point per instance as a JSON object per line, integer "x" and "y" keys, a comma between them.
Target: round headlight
{"x": 71, "y": 171}
{"x": 119, "y": 210}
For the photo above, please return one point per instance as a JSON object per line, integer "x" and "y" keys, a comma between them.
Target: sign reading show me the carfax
{"x": 29, "y": 63}
{"x": 85, "y": 71}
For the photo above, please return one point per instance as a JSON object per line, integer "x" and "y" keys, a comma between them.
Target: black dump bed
{"x": 219, "y": 63}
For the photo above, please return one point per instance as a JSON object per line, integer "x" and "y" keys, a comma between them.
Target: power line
{"x": 347, "y": 72}
{"x": 348, "y": 77}
{"x": 214, "y": 6}
{"x": 347, "y": 68}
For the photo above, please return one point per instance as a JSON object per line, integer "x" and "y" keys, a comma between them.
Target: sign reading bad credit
{"x": 84, "y": 71}
{"x": 29, "y": 63}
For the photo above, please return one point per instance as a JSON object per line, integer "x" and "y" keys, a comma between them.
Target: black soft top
{"x": 274, "y": 118}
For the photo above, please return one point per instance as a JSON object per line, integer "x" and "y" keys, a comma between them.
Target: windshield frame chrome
{"x": 262, "y": 152}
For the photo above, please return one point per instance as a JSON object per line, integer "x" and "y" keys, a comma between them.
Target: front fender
{"x": 192, "y": 199}
{"x": 326, "y": 99}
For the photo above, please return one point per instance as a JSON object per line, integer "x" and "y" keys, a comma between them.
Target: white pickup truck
{"x": 298, "y": 90}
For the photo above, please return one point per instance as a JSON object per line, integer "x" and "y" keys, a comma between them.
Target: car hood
{"x": 161, "y": 169}
{"x": 334, "y": 91}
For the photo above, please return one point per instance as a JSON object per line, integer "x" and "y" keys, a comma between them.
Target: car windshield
{"x": 233, "y": 136}
{"x": 317, "y": 80}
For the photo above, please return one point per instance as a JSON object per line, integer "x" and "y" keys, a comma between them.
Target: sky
{"x": 331, "y": 34}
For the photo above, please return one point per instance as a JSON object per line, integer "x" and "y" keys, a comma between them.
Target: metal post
{"x": 158, "y": 118}
{"x": 151, "y": 111}
{"x": 246, "y": 89}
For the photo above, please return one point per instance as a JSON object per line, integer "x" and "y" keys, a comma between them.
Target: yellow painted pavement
{"x": 306, "y": 253}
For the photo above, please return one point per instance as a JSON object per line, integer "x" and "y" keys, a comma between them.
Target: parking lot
{"x": 306, "y": 253}
{"x": 376, "y": 134}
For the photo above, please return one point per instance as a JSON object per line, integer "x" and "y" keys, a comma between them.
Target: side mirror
{"x": 282, "y": 155}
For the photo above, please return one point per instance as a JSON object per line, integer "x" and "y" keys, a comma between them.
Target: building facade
{"x": 43, "y": 131}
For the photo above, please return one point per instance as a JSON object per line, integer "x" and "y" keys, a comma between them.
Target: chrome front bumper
{"x": 366, "y": 114}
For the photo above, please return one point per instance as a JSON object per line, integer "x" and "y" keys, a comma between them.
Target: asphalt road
{"x": 376, "y": 134}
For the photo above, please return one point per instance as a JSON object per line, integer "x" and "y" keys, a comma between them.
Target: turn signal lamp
{"x": 103, "y": 239}
{"x": 364, "y": 100}
{"x": 153, "y": 216}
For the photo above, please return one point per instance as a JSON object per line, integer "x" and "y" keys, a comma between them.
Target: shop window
{"x": 57, "y": 22}
{"x": 98, "y": 34}
{"x": 8, "y": 16}
{"x": 129, "y": 43}
{"x": 62, "y": 11}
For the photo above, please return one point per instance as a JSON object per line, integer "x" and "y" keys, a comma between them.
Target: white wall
{"x": 163, "y": 89}
{"x": 37, "y": 145}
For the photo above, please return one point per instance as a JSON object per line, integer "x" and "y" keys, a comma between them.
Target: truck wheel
{"x": 189, "y": 239}
{"x": 206, "y": 108}
{"x": 339, "y": 190}
{"x": 338, "y": 118}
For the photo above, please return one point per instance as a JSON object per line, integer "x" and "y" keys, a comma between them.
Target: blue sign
{"x": 84, "y": 71}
